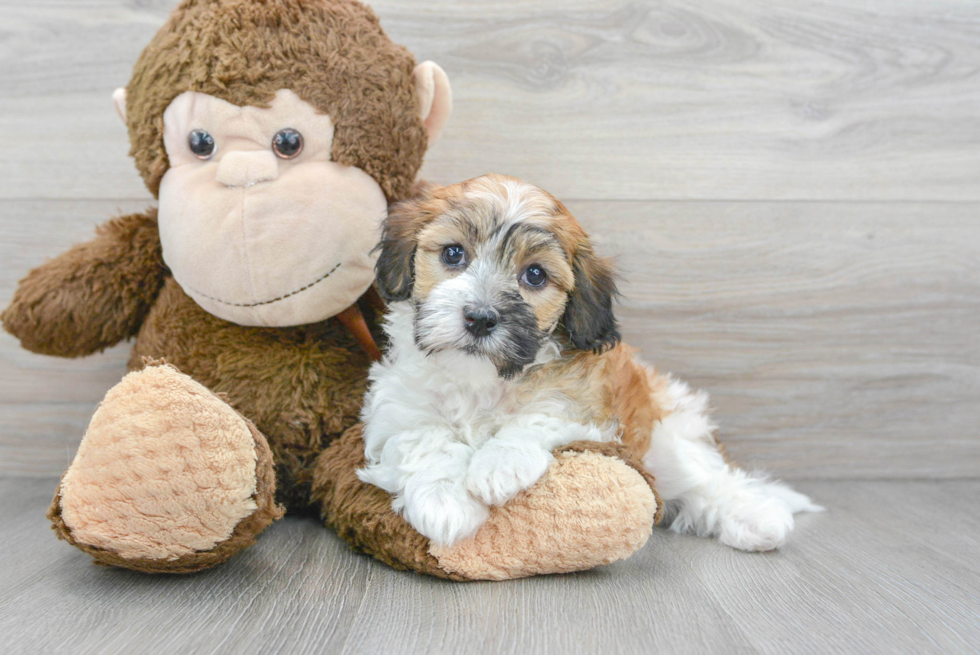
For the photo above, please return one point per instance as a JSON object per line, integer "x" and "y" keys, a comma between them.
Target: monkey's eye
{"x": 454, "y": 255}
{"x": 201, "y": 144}
{"x": 287, "y": 143}
{"x": 534, "y": 276}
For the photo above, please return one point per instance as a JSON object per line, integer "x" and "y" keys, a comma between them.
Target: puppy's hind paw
{"x": 755, "y": 524}
{"x": 794, "y": 500}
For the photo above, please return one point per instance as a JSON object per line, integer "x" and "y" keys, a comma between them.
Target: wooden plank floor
{"x": 891, "y": 568}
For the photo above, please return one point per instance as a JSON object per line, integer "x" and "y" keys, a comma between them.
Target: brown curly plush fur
{"x": 361, "y": 514}
{"x": 92, "y": 296}
{"x": 301, "y": 386}
{"x": 243, "y": 51}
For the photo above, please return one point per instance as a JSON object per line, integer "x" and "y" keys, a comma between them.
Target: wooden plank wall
{"x": 792, "y": 190}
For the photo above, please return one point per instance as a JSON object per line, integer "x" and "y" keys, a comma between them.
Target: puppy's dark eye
{"x": 454, "y": 255}
{"x": 201, "y": 144}
{"x": 287, "y": 143}
{"x": 534, "y": 276}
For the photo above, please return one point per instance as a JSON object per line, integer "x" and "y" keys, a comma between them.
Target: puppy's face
{"x": 493, "y": 266}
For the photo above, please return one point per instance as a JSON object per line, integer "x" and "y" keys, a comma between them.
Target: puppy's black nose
{"x": 480, "y": 322}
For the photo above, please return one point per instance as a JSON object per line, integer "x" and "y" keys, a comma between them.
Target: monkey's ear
{"x": 395, "y": 269}
{"x": 435, "y": 98}
{"x": 589, "y": 318}
{"x": 119, "y": 100}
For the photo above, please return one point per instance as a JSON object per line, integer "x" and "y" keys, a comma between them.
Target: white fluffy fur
{"x": 442, "y": 434}
{"x": 706, "y": 495}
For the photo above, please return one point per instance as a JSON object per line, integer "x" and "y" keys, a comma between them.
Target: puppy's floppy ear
{"x": 395, "y": 269}
{"x": 589, "y": 318}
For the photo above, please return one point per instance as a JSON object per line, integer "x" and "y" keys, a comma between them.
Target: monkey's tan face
{"x": 258, "y": 225}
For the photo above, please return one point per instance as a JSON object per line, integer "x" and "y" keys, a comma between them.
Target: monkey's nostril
{"x": 480, "y": 322}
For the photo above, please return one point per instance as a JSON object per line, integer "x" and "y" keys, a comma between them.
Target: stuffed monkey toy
{"x": 274, "y": 135}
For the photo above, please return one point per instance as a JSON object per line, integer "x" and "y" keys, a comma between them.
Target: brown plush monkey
{"x": 275, "y": 133}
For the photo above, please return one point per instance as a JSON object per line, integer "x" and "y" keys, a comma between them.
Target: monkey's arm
{"x": 92, "y": 296}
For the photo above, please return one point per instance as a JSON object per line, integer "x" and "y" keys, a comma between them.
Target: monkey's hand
{"x": 92, "y": 296}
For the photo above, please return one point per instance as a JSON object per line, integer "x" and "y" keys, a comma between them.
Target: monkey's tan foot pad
{"x": 595, "y": 505}
{"x": 168, "y": 478}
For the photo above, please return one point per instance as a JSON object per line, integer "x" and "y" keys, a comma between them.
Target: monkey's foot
{"x": 168, "y": 478}
{"x": 595, "y": 505}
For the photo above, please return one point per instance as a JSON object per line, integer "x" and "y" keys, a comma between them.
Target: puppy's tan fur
{"x": 608, "y": 386}
{"x": 476, "y": 434}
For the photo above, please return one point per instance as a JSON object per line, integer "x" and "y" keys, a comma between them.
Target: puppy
{"x": 503, "y": 346}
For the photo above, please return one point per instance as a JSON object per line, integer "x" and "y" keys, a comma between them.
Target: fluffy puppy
{"x": 503, "y": 346}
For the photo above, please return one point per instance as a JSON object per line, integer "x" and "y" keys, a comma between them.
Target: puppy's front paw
{"x": 499, "y": 473}
{"x": 444, "y": 512}
{"x": 756, "y": 522}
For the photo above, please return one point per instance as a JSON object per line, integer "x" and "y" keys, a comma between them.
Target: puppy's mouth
{"x": 511, "y": 346}
{"x": 508, "y": 365}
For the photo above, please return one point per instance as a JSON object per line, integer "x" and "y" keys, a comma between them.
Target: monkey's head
{"x": 275, "y": 133}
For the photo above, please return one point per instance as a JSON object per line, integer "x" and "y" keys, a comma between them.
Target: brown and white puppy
{"x": 502, "y": 346}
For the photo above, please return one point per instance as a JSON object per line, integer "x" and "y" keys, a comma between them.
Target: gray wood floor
{"x": 891, "y": 568}
{"x": 792, "y": 191}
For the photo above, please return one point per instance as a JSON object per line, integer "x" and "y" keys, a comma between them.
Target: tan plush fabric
{"x": 165, "y": 469}
{"x": 279, "y": 242}
{"x": 361, "y": 513}
{"x": 435, "y": 98}
{"x": 242, "y": 537}
{"x": 588, "y": 510}
{"x": 300, "y": 385}
{"x": 594, "y": 506}
{"x": 332, "y": 53}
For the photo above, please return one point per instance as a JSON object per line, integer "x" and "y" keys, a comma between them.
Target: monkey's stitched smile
{"x": 236, "y": 201}
{"x": 274, "y": 300}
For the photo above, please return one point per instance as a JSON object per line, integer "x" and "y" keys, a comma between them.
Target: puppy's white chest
{"x": 470, "y": 396}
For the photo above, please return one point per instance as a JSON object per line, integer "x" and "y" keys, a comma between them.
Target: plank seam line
{"x": 678, "y": 201}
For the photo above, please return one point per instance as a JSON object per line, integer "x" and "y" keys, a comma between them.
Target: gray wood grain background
{"x": 792, "y": 190}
